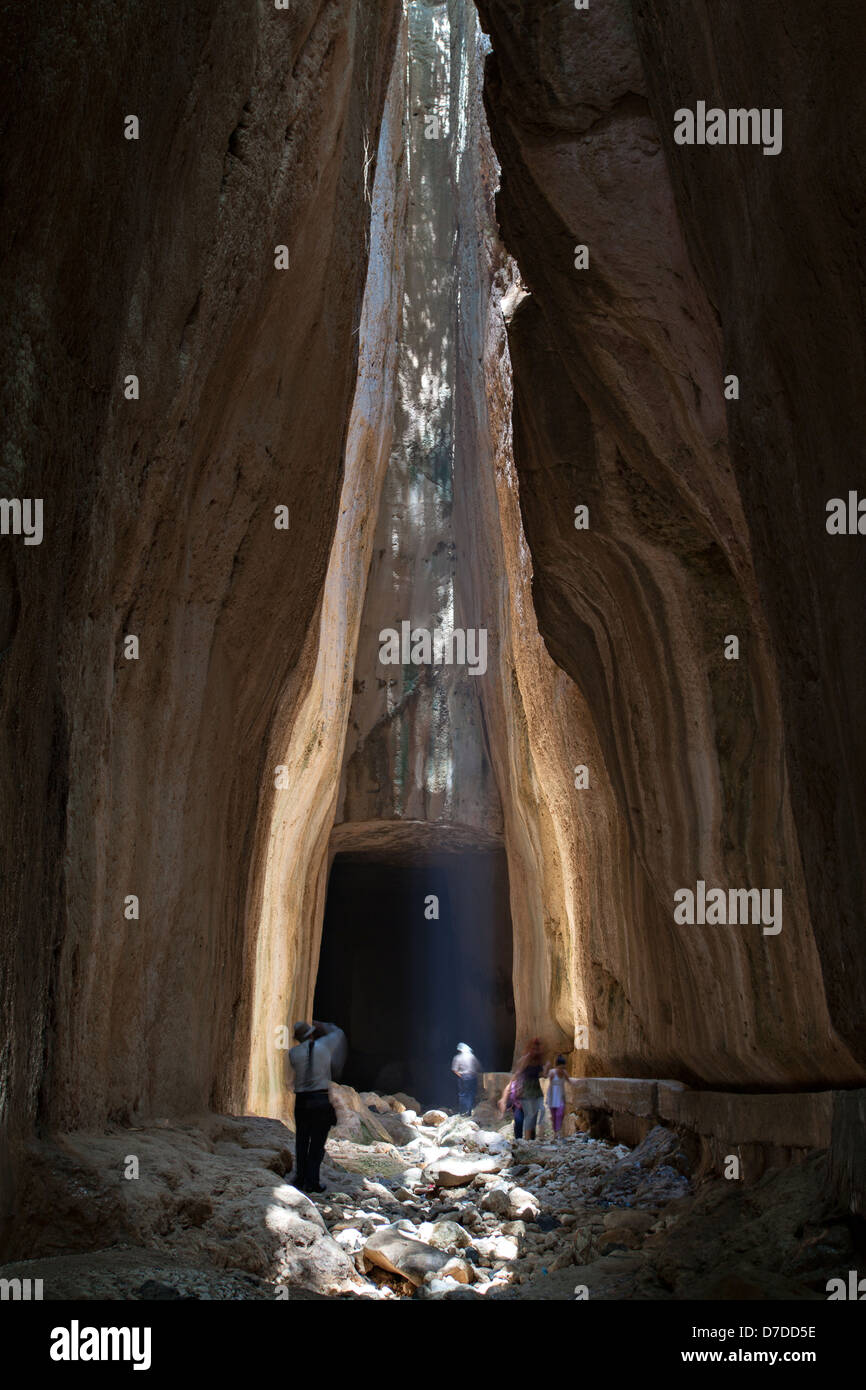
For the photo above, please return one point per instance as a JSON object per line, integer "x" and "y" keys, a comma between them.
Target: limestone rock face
{"x": 793, "y": 337}
{"x": 217, "y": 1192}
{"x": 430, "y": 402}
{"x": 294, "y": 818}
{"x": 415, "y": 749}
{"x": 618, "y": 375}
{"x": 156, "y": 257}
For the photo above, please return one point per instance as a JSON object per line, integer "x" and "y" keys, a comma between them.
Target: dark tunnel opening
{"x": 407, "y": 986}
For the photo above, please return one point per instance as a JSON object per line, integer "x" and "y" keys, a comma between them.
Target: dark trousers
{"x": 518, "y": 1121}
{"x": 466, "y": 1088}
{"x": 313, "y": 1119}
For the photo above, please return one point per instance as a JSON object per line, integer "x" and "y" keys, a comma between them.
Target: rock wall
{"x": 156, "y": 257}
{"x": 778, "y": 245}
{"x": 299, "y": 796}
{"x": 618, "y": 405}
{"x": 416, "y": 749}
{"x": 204, "y": 777}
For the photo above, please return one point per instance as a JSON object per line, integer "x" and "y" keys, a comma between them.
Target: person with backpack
{"x": 527, "y": 1076}
{"x": 316, "y": 1059}
{"x": 510, "y": 1100}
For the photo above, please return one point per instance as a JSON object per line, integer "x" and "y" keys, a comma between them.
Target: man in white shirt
{"x": 316, "y": 1059}
{"x": 465, "y": 1067}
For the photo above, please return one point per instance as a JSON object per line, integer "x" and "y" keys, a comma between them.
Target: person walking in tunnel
{"x": 556, "y": 1079}
{"x": 466, "y": 1067}
{"x": 316, "y": 1059}
{"x": 511, "y": 1100}
{"x": 528, "y": 1074}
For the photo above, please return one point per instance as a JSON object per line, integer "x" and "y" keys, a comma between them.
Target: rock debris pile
{"x": 420, "y": 1204}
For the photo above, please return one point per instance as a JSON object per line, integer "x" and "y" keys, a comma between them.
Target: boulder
{"x": 561, "y": 1261}
{"x": 513, "y": 1228}
{"x": 404, "y": 1101}
{"x": 394, "y": 1250}
{"x": 497, "y": 1248}
{"x": 489, "y": 1141}
{"x": 459, "y": 1129}
{"x": 355, "y": 1120}
{"x": 373, "y": 1101}
{"x": 441, "y": 1288}
{"x": 444, "y": 1235}
{"x": 434, "y": 1118}
{"x": 522, "y": 1205}
{"x": 459, "y": 1172}
{"x": 382, "y": 1193}
{"x": 495, "y": 1199}
{"x": 396, "y": 1127}
{"x": 350, "y": 1239}
{"x": 207, "y": 1194}
{"x": 458, "y": 1269}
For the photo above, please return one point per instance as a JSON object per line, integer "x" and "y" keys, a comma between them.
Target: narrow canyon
{"x": 438, "y": 626}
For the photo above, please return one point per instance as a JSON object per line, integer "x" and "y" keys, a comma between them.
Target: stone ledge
{"x": 797, "y": 1120}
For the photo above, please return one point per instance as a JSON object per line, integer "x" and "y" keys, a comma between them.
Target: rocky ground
{"x": 429, "y": 1205}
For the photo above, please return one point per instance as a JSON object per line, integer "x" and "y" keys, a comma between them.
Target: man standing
{"x": 466, "y": 1067}
{"x": 317, "y": 1058}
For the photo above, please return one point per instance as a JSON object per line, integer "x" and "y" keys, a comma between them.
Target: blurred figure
{"x": 511, "y": 1100}
{"x": 466, "y": 1067}
{"x": 527, "y": 1075}
{"x": 316, "y": 1060}
{"x": 557, "y": 1077}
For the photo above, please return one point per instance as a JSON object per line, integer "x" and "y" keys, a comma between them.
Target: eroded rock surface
{"x": 258, "y": 128}
{"x": 618, "y": 406}
{"x": 213, "y": 1215}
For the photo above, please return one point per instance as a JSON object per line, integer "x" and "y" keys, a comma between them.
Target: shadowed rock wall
{"x": 156, "y": 257}
{"x": 778, "y": 243}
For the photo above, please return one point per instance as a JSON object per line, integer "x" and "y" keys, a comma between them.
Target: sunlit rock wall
{"x": 287, "y": 892}
{"x": 416, "y": 748}
{"x": 618, "y": 391}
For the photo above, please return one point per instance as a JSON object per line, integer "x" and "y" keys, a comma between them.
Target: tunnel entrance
{"x": 407, "y": 986}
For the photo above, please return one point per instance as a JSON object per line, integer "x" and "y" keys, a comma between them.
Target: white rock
{"x": 441, "y": 1288}
{"x": 458, "y": 1171}
{"x": 447, "y": 1235}
{"x": 351, "y": 1239}
{"x": 497, "y": 1247}
{"x": 490, "y": 1142}
{"x": 522, "y": 1205}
